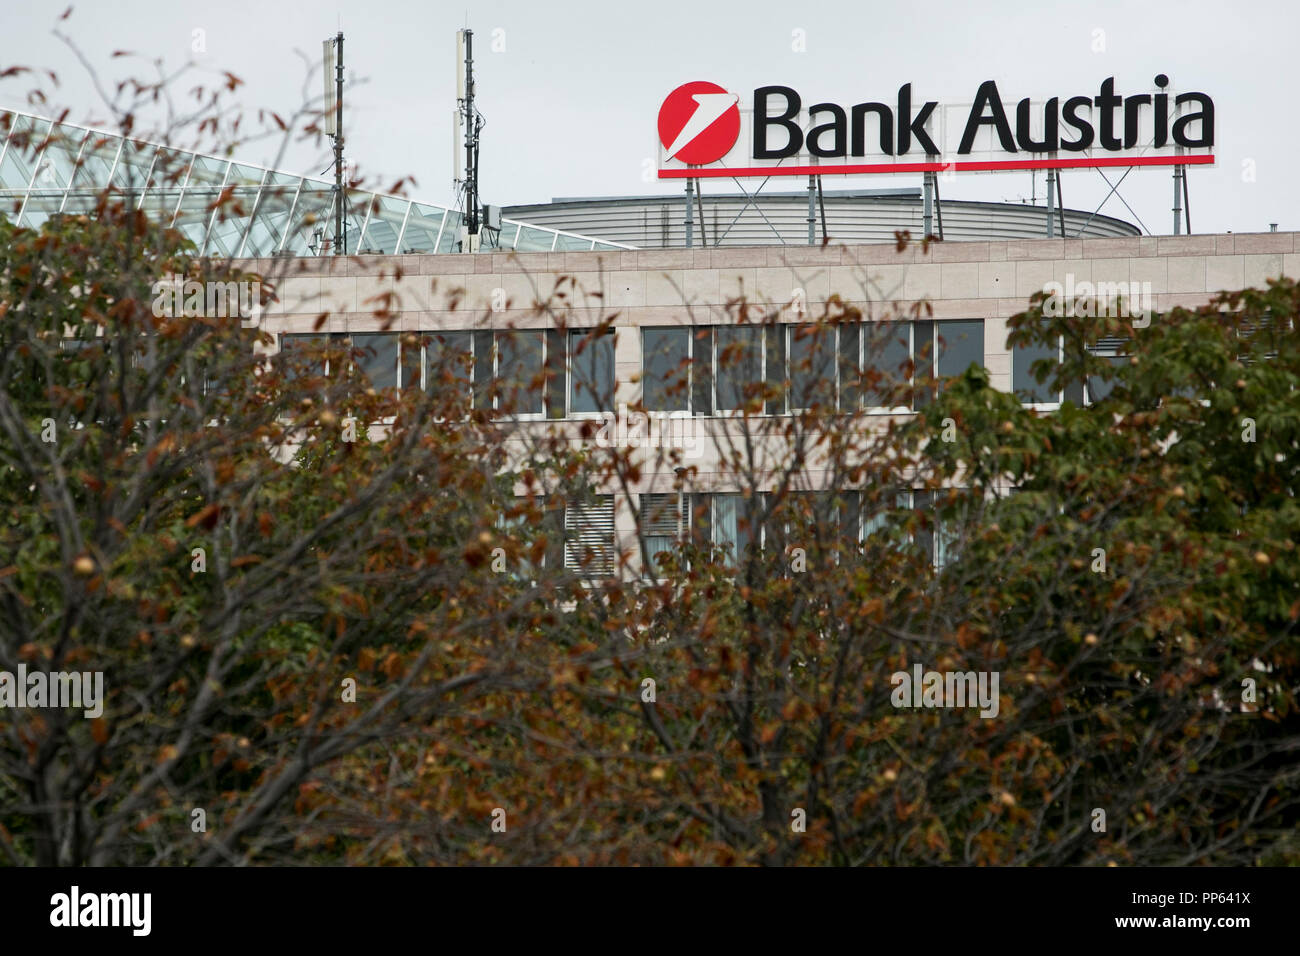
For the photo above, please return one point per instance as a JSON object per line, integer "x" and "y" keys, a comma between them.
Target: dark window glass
{"x": 519, "y": 372}
{"x": 924, "y": 353}
{"x": 888, "y": 352}
{"x": 776, "y": 379}
{"x": 447, "y": 361}
{"x": 556, "y": 377}
{"x": 702, "y": 371}
{"x": 665, "y": 355}
{"x": 291, "y": 348}
{"x": 924, "y": 501}
{"x": 1023, "y": 382}
{"x": 850, "y": 366}
{"x": 484, "y": 375}
{"x": 1097, "y": 389}
{"x": 591, "y": 371}
{"x": 961, "y": 344}
{"x": 738, "y": 361}
{"x": 812, "y": 366}
{"x": 376, "y": 356}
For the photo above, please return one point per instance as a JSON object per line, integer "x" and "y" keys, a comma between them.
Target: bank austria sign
{"x": 704, "y": 131}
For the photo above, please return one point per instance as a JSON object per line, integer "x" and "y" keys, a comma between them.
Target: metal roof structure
{"x": 49, "y": 168}
{"x": 851, "y": 216}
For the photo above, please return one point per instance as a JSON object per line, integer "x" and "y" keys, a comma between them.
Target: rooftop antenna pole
{"x": 334, "y": 129}
{"x": 465, "y": 82}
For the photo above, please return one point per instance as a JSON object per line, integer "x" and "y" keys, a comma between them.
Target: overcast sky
{"x": 571, "y": 92}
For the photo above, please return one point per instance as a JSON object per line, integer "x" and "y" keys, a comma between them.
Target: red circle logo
{"x": 699, "y": 123}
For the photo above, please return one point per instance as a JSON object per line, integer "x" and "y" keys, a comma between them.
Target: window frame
{"x": 571, "y": 379}
{"x": 911, "y": 379}
{"x": 1049, "y": 406}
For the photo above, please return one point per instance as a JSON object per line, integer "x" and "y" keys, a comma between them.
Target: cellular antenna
{"x": 472, "y": 124}
{"x": 333, "y": 114}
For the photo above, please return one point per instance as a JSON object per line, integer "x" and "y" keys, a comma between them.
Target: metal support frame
{"x": 690, "y": 209}
{"x": 699, "y": 207}
{"x": 927, "y": 204}
{"x": 750, "y": 200}
{"x": 1113, "y": 192}
{"x": 821, "y": 204}
{"x": 1051, "y": 204}
{"x": 812, "y": 210}
{"x": 1179, "y": 173}
{"x": 938, "y": 206}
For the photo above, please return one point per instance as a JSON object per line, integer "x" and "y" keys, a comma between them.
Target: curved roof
{"x": 775, "y": 218}
{"x": 50, "y": 167}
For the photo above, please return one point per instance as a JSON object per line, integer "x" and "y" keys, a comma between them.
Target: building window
{"x": 881, "y": 519}
{"x": 887, "y": 355}
{"x": 666, "y": 369}
{"x": 739, "y": 357}
{"x": 589, "y": 545}
{"x": 449, "y": 362}
{"x": 815, "y": 521}
{"x": 812, "y": 353}
{"x": 944, "y": 350}
{"x": 1115, "y": 352}
{"x": 728, "y": 522}
{"x": 381, "y": 356}
{"x": 520, "y": 378}
{"x": 1030, "y": 392}
{"x": 377, "y": 356}
{"x": 291, "y": 348}
{"x": 332, "y": 348}
{"x": 938, "y": 541}
{"x": 663, "y": 524}
{"x": 522, "y": 521}
{"x": 591, "y": 371}
{"x": 1023, "y": 382}
{"x": 702, "y": 371}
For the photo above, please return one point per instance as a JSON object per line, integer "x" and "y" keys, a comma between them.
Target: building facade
{"x": 677, "y": 308}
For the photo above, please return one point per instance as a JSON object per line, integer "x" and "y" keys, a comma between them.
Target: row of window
{"x": 532, "y": 373}
{"x": 1093, "y": 390}
{"x": 704, "y": 370}
{"x": 701, "y": 370}
{"x": 582, "y": 534}
{"x": 737, "y": 523}
{"x": 709, "y": 369}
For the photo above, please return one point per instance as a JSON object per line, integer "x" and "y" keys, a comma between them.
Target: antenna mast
{"x": 333, "y": 63}
{"x": 473, "y": 123}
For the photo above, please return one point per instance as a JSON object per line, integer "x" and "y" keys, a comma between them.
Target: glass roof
{"x": 227, "y": 208}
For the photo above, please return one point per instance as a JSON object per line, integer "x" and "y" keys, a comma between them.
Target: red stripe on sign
{"x": 970, "y": 166}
